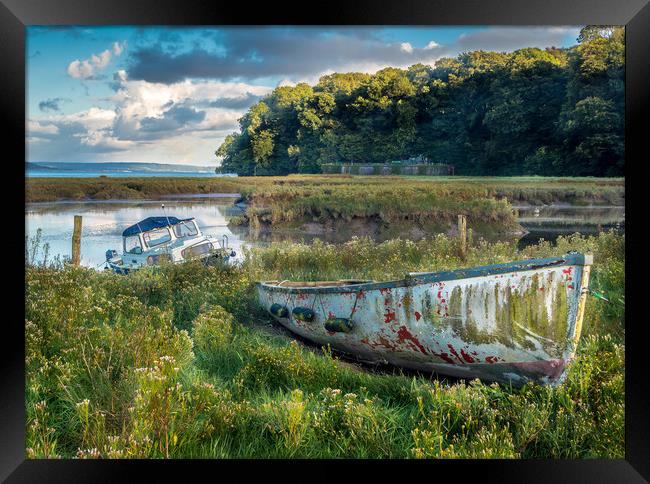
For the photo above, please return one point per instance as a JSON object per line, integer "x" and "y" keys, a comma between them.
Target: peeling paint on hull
{"x": 511, "y": 323}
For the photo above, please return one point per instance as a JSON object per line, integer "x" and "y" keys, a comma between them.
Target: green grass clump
{"x": 179, "y": 362}
{"x": 212, "y": 331}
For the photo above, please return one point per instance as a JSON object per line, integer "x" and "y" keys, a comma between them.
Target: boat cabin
{"x": 157, "y": 239}
{"x": 154, "y": 232}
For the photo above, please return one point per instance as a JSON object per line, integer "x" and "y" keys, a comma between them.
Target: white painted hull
{"x": 510, "y": 326}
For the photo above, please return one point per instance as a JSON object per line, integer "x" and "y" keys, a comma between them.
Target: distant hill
{"x": 115, "y": 166}
{"x": 37, "y": 166}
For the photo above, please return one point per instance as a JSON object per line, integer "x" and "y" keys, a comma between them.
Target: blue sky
{"x": 171, "y": 95}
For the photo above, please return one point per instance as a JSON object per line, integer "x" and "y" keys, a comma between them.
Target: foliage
{"x": 532, "y": 111}
{"x": 176, "y": 361}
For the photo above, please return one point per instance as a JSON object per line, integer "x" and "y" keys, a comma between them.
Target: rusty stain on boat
{"x": 512, "y": 322}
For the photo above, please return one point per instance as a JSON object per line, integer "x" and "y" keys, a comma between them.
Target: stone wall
{"x": 424, "y": 169}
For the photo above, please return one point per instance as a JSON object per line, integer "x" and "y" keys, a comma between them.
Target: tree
{"x": 553, "y": 111}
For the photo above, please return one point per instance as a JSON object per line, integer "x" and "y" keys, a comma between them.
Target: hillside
{"x": 553, "y": 112}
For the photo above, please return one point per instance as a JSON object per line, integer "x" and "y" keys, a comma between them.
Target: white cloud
{"x": 172, "y": 123}
{"x": 92, "y": 119}
{"x": 103, "y": 140}
{"x": 507, "y": 39}
{"x": 86, "y": 69}
{"x": 35, "y": 128}
{"x": 118, "y": 48}
{"x": 182, "y": 120}
{"x": 137, "y": 100}
{"x": 80, "y": 69}
{"x": 217, "y": 120}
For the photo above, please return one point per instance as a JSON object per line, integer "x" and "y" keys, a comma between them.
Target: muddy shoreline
{"x": 373, "y": 227}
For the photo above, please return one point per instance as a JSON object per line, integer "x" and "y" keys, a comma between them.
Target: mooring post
{"x": 76, "y": 241}
{"x": 462, "y": 235}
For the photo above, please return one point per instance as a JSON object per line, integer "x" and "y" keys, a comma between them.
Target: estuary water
{"x": 118, "y": 174}
{"x": 104, "y": 221}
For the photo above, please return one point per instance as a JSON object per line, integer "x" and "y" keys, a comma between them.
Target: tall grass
{"x": 390, "y": 205}
{"x": 178, "y": 361}
{"x": 534, "y": 189}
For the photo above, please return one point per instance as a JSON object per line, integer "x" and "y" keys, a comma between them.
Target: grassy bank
{"x": 377, "y": 204}
{"x": 178, "y": 361}
{"x": 534, "y": 190}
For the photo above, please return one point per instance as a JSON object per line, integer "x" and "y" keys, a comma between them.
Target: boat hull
{"x": 511, "y": 323}
{"x": 126, "y": 269}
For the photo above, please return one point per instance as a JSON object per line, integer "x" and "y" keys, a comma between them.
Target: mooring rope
{"x": 355, "y": 304}
{"x": 601, "y": 295}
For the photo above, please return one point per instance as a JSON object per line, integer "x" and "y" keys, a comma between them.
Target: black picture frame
{"x": 634, "y": 14}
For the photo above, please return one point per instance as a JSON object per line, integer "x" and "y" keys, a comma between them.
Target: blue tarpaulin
{"x": 152, "y": 223}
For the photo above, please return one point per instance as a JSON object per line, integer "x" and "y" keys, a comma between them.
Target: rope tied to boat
{"x": 601, "y": 295}
{"x": 354, "y": 307}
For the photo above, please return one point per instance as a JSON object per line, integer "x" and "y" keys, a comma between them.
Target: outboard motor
{"x": 110, "y": 254}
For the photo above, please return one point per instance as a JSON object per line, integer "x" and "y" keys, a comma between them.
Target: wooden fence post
{"x": 76, "y": 241}
{"x": 462, "y": 235}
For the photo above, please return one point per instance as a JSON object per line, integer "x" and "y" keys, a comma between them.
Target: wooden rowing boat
{"x": 512, "y": 323}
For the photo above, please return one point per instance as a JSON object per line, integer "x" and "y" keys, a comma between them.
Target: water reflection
{"x": 103, "y": 223}
{"x": 549, "y": 222}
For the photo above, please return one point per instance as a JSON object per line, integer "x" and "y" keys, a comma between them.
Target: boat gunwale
{"x": 416, "y": 278}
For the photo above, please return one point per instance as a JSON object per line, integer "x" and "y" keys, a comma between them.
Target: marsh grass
{"x": 338, "y": 199}
{"x": 178, "y": 361}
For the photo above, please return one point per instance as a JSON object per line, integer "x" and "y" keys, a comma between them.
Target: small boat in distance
{"x": 155, "y": 240}
{"x": 512, "y": 323}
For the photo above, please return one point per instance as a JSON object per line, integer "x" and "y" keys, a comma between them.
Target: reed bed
{"x": 526, "y": 189}
{"x": 382, "y": 203}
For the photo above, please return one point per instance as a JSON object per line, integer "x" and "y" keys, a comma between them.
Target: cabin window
{"x": 197, "y": 250}
{"x": 132, "y": 245}
{"x": 185, "y": 229}
{"x": 157, "y": 236}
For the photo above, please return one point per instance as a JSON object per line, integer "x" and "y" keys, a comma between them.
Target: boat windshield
{"x": 185, "y": 229}
{"x": 157, "y": 236}
{"x": 132, "y": 245}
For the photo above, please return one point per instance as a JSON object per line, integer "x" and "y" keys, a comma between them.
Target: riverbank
{"x": 104, "y": 221}
{"x": 389, "y": 206}
{"x": 179, "y": 361}
{"x": 533, "y": 190}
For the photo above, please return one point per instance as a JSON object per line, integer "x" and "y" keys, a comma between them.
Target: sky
{"x": 172, "y": 94}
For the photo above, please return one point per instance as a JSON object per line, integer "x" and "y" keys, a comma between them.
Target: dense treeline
{"x": 529, "y": 112}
